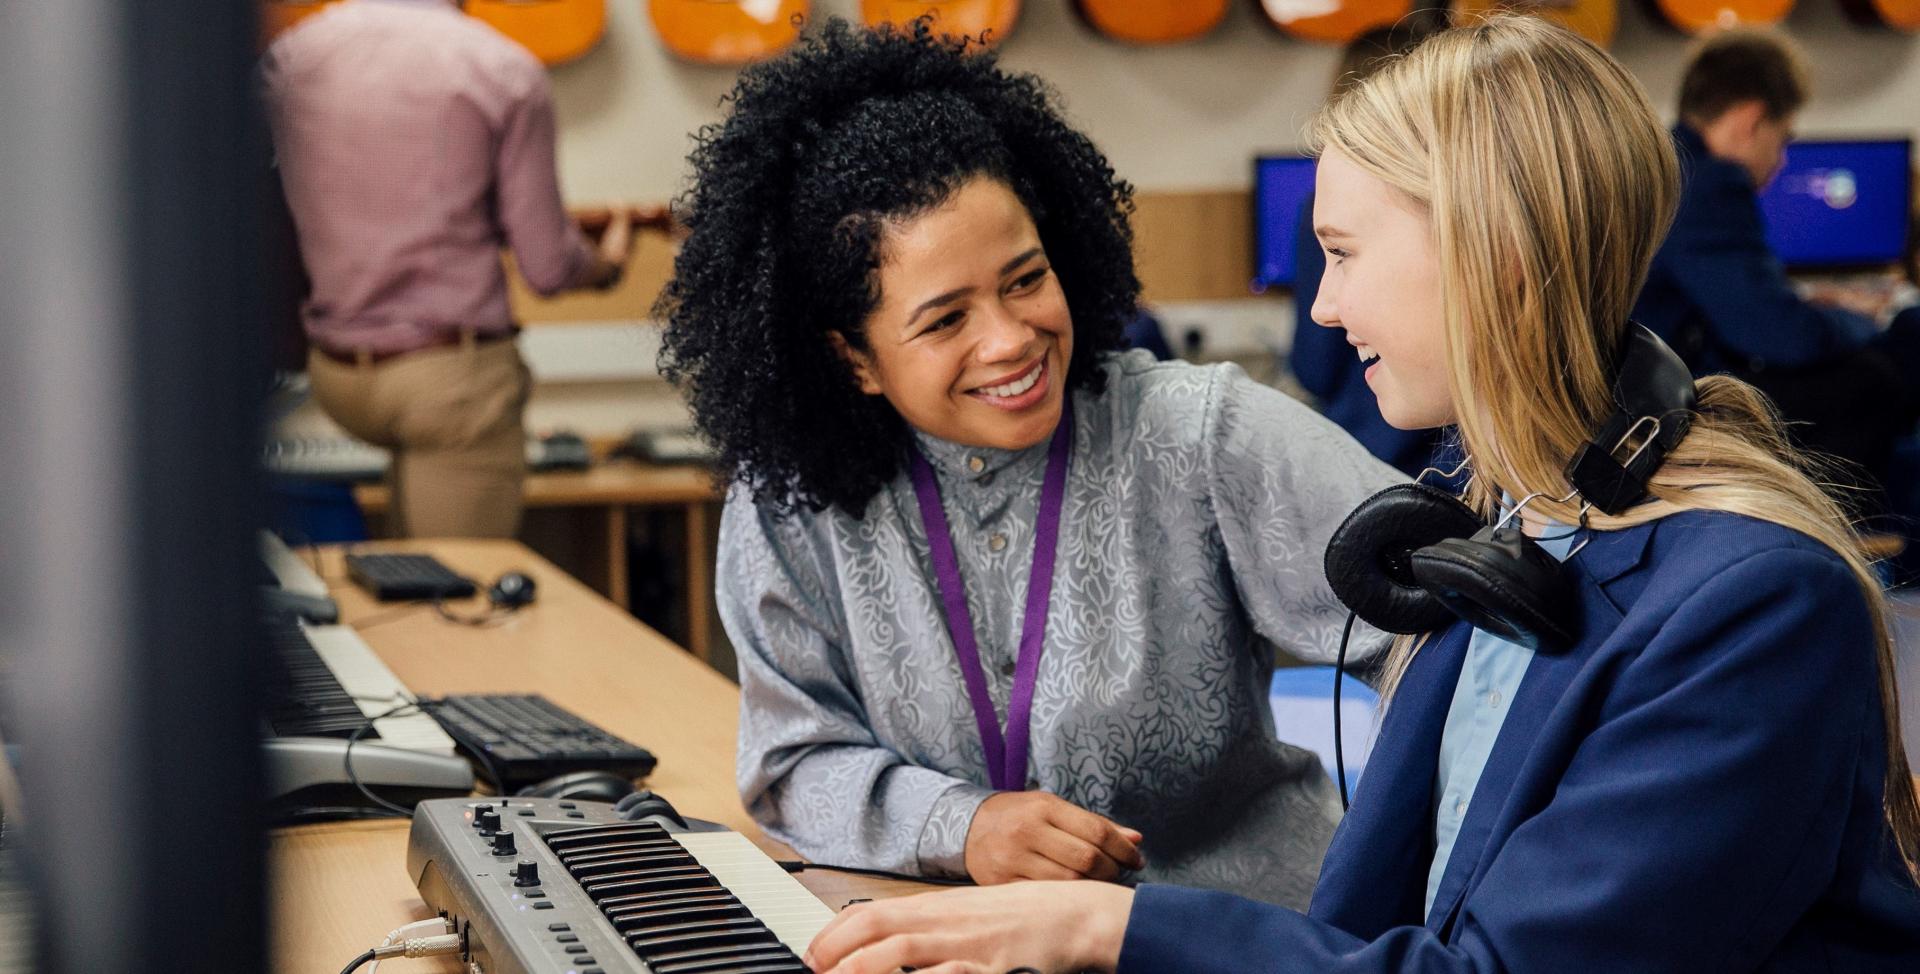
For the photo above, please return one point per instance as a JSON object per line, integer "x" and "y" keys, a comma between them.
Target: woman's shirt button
{"x": 997, "y": 543}
{"x": 976, "y": 464}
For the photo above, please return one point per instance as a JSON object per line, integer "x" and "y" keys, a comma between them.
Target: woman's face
{"x": 1382, "y": 284}
{"x": 971, "y": 337}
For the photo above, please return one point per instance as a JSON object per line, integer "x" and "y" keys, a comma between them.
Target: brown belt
{"x": 367, "y": 356}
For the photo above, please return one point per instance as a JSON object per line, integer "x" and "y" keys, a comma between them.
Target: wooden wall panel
{"x": 1188, "y": 246}
{"x": 1195, "y": 246}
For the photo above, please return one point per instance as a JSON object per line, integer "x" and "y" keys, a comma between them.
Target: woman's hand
{"x": 1053, "y": 928}
{"x": 1034, "y": 835}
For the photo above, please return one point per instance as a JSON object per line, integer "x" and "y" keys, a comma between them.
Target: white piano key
{"x": 375, "y": 690}
{"x": 775, "y": 897}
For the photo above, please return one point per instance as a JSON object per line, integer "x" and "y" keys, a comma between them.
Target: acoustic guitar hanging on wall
{"x": 1152, "y": 21}
{"x": 1333, "y": 21}
{"x": 278, "y": 15}
{"x": 556, "y": 31}
{"x": 989, "y": 21}
{"x": 1595, "y": 20}
{"x": 727, "y": 32}
{"x": 1694, "y": 16}
{"x": 1895, "y": 14}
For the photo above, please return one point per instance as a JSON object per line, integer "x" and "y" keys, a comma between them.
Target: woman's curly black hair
{"x": 785, "y": 216}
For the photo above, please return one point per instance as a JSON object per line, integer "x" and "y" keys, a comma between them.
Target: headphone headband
{"x": 1654, "y": 398}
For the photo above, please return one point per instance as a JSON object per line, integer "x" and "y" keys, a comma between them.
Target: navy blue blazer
{"x": 1327, "y": 366}
{"x": 1694, "y": 787}
{"x": 1717, "y": 293}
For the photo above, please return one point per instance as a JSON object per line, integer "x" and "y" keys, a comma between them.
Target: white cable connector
{"x": 388, "y": 948}
{"x": 421, "y": 947}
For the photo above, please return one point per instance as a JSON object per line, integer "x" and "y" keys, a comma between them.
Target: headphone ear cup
{"x": 1369, "y": 558}
{"x": 1502, "y": 581}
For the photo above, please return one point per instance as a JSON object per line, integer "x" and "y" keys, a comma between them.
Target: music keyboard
{"x": 328, "y": 682}
{"x": 545, "y": 886}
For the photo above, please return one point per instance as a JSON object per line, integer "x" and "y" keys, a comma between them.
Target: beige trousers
{"x": 453, "y": 418}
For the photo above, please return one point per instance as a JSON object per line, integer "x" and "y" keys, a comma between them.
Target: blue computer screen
{"x": 1280, "y": 185}
{"x": 1837, "y": 203}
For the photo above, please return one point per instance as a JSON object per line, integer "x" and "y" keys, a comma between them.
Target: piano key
{"x": 715, "y": 933}
{"x": 775, "y": 897}
{"x": 769, "y": 961}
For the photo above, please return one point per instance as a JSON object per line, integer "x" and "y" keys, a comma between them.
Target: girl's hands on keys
{"x": 1052, "y": 928}
{"x": 1035, "y": 835}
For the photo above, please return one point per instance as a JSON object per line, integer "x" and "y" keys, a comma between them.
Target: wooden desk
{"x": 605, "y": 494}
{"x": 338, "y": 888}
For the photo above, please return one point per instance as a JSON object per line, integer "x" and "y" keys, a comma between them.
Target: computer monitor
{"x": 1840, "y": 203}
{"x": 1281, "y": 184}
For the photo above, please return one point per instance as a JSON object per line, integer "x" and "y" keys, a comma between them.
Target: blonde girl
{"x": 1710, "y": 777}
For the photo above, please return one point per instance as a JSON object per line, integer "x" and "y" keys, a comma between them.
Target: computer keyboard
{"x": 403, "y": 577}
{"x": 526, "y": 738}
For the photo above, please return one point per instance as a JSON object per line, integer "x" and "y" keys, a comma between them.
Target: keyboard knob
{"x": 487, "y": 822}
{"x": 503, "y": 843}
{"x": 479, "y": 810}
{"x": 526, "y": 872}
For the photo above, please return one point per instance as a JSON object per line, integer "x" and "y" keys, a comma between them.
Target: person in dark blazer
{"x": 1717, "y": 292}
{"x": 1705, "y": 771}
{"x": 1320, "y": 357}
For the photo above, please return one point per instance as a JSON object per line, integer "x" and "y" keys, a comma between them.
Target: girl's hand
{"x": 1053, "y": 928}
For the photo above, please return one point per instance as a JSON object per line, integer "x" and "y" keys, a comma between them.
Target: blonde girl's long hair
{"x": 1548, "y": 183}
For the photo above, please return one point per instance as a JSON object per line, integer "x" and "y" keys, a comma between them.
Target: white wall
{"x": 1171, "y": 118}
{"x": 1181, "y": 117}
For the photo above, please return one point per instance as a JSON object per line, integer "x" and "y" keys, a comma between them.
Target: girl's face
{"x": 971, "y": 337}
{"x": 1382, "y": 284}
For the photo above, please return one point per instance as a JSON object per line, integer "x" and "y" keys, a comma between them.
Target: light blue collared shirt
{"x": 1488, "y": 679}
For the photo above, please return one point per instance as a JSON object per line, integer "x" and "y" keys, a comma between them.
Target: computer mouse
{"x": 592, "y": 786}
{"x": 511, "y": 590}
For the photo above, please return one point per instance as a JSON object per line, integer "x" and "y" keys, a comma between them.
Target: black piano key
{"x": 715, "y": 933}
{"x": 601, "y": 853}
{"x": 636, "y": 916}
{"x": 637, "y": 865}
{"x": 574, "y": 839}
{"x": 724, "y": 954}
{"x": 615, "y": 886}
{"x": 781, "y": 960}
{"x": 636, "y": 921}
{"x": 613, "y": 904}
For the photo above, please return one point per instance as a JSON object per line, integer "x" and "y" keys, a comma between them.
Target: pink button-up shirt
{"x": 414, "y": 141}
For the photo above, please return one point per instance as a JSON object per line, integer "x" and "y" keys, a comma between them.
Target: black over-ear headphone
{"x": 1413, "y": 558}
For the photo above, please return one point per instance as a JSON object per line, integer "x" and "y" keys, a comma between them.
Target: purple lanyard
{"x": 1006, "y": 756}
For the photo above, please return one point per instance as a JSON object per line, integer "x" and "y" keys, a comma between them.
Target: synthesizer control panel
{"x": 550, "y": 886}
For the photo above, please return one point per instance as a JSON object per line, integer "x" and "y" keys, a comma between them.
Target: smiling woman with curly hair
{"x": 898, "y": 315}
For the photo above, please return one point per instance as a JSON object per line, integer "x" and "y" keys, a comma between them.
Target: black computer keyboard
{"x": 525, "y": 738}
{"x": 398, "y": 577}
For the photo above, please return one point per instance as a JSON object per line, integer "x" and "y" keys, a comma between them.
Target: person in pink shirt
{"x": 413, "y": 144}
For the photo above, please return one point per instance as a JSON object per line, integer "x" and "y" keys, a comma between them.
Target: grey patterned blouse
{"x": 1198, "y": 506}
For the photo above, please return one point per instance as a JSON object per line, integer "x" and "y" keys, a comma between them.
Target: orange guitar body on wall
{"x": 988, "y": 20}
{"x": 1333, "y": 21}
{"x": 1152, "y": 21}
{"x": 556, "y": 31}
{"x": 278, "y": 15}
{"x": 727, "y": 32}
{"x": 1595, "y": 20}
{"x": 1694, "y": 16}
{"x": 1895, "y": 14}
